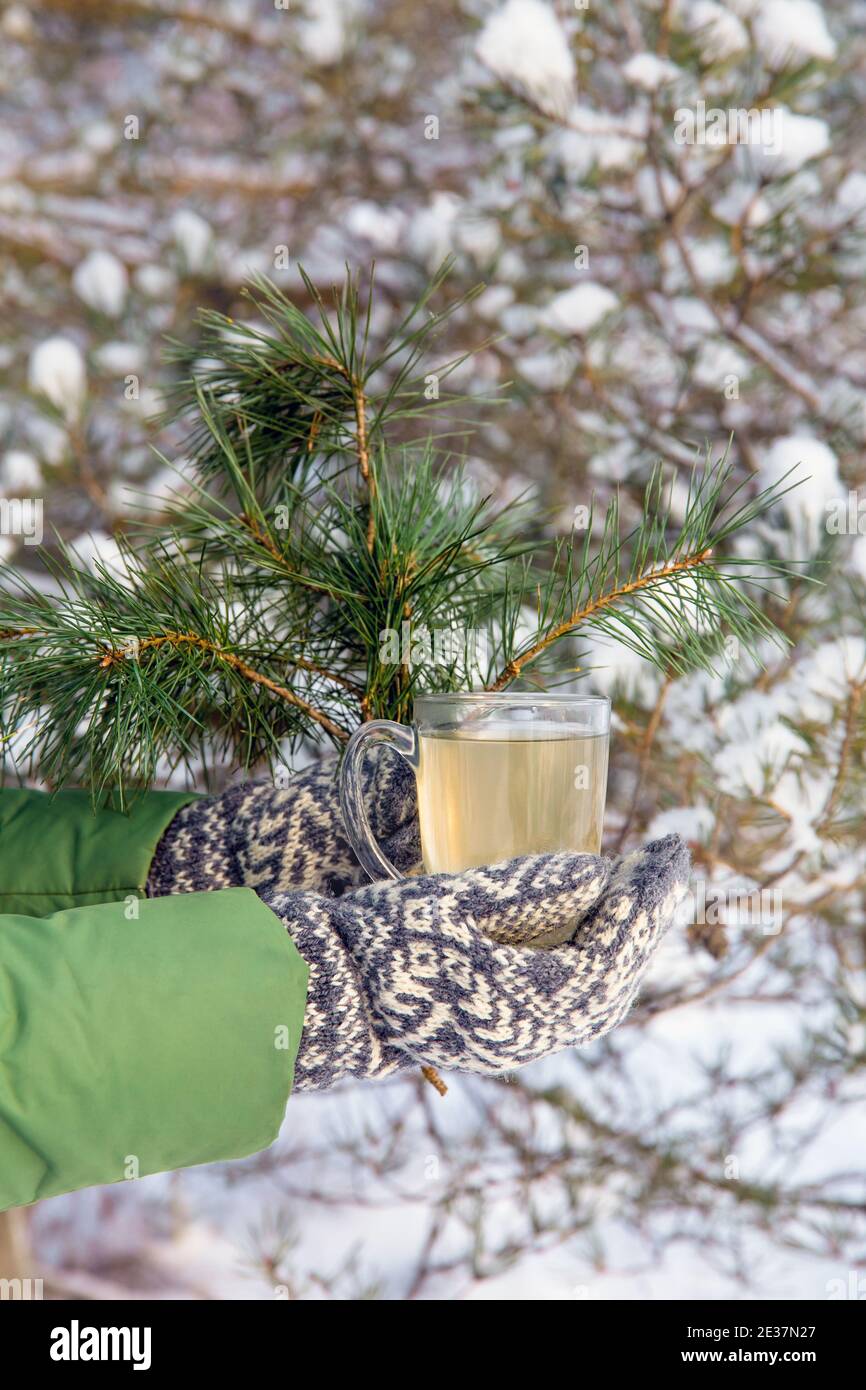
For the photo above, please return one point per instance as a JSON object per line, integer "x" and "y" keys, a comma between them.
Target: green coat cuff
{"x": 56, "y": 852}
{"x": 144, "y": 1036}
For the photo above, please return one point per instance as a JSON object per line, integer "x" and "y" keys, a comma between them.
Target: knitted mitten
{"x": 446, "y": 970}
{"x": 255, "y": 834}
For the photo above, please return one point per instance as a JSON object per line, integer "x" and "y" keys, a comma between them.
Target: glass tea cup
{"x": 499, "y": 775}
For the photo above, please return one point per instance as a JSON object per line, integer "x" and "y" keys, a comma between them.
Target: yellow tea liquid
{"x": 488, "y": 794}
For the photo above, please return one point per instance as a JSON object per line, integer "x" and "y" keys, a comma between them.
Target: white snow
{"x": 753, "y": 760}
{"x": 742, "y": 202}
{"x": 155, "y": 281}
{"x": 791, "y": 30}
{"x": 692, "y": 822}
{"x": 324, "y": 31}
{"x": 100, "y": 136}
{"x": 150, "y": 401}
{"x": 547, "y": 371}
{"x": 654, "y": 203}
{"x": 57, "y": 370}
{"x": 713, "y": 259}
{"x": 119, "y": 358}
{"x": 149, "y": 496}
{"x": 518, "y": 321}
{"x": 619, "y": 669}
{"x": 650, "y": 72}
{"x": 857, "y": 557}
{"x": 494, "y": 301}
{"x": 820, "y": 681}
{"x": 718, "y": 359}
{"x": 795, "y": 140}
{"x": 614, "y": 465}
{"x": 17, "y": 23}
{"x": 610, "y": 140}
{"x": 817, "y": 473}
{"x": 49, "y": 439}
{"x": 851, "y": 193}
{"x": 526, "y": 47}
{"x": 382, "y": 227}
{"x": 15, "y": 197}
{"x": 20, "y": 472}
{"x": 579, "y": 309}
{"x": 479, "y": 238}
{"x": 802, "y": 800}
{"x": 193, "y": 237}
{"x": 720, "y": 34}
{"x": 431, "y": 231}
{"x": 102, "y": 282}
{"x": 692, "y": 317}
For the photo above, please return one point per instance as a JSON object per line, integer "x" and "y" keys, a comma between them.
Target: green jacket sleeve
{"x": 56, "y": 851}
{"x": 136, "y": 1035}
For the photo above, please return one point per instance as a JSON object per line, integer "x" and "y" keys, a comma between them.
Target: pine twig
{"x": 192, "y": 639}
{"x": 362, "y": 445}
{"x": 262, "y": 536}
{"x": 852, "y": 715}
{"x": 431, "y": 1074}
{"x": 596, "y": 605}
{"x": 364, "y": 457}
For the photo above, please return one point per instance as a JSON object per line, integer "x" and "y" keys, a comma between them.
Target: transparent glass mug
{"x": 498, "y": 775}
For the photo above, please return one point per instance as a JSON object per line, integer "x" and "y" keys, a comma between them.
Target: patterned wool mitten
{"x": 256, "y": 834}
{"x": 451, "y": 970}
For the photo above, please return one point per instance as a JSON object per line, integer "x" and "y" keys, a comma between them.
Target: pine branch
{"x": 274, "y": 604}
{"x": 593, "y": 609}
{"x": 115, "y": 655}
{"x": 127, "y": 671}
{"x": 299, "y": 387}
{"x": 679, "y": 594}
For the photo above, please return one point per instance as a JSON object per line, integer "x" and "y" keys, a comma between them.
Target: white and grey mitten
{"x": 256, "y": 834}
{"x": 446, "y": 970}
{"x": 450, "y": 970}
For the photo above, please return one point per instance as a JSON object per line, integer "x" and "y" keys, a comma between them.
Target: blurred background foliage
{"x": 644, "y": 297}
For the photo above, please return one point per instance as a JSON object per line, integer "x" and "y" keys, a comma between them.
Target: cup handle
{"x": 404, "y": 740}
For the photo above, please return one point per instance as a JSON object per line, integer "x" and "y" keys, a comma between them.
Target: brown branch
{"x": 315, "y": 426}
{"x": 673, "y": 999}
{"x": 362, "y": 443}
{"x": 89, "y": 480}
{"x": 335, "y": 730}
{"x": 305, "y": 665}
{"x": 184, "y": 173}
{"x": 743, "y": 333}
{"x": 38, "y": 239}
{"x": 200, "y": 16}
{"x": 117, "y": 654}
{"x": 262, "y": 536}
{"x": 580, "y": 615}
{"x": 852, "y": 714}
{"x": 363, "y": 449}
{"x": 647, "y": 742}
{"x": 192, "y": 639}
{"x": 431, "y": 1074}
